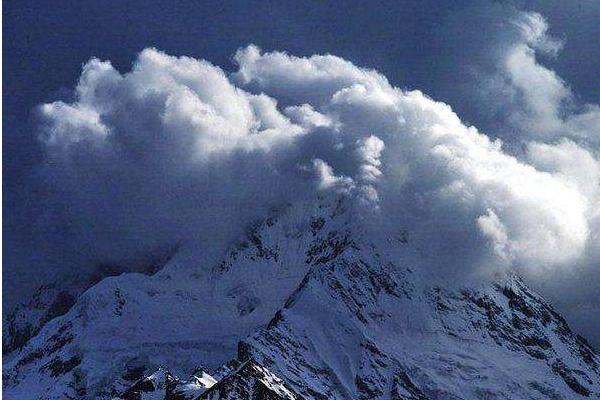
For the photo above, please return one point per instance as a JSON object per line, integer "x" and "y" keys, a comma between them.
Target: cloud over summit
{"x": 154, "y": 156}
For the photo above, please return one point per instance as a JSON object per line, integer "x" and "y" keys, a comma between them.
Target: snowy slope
{"x": 26, "y": 320}
{"x": 309, "y": 298}
{"x": 194, "y": 311}
{"x": 55, "y": 298}
{"x": 356, "y": 329}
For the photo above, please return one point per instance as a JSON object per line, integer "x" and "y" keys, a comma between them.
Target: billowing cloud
{"x": 560, "y": 135}
{"x": 150, "y": 158}
{"x": 546, "y": 126}
{"x": 177, "y": 150}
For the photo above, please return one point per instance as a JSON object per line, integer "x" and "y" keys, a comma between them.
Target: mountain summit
{"x": 307, "y": 304}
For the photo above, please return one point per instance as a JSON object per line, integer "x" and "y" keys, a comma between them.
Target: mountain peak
{"x": 318, "y": 309}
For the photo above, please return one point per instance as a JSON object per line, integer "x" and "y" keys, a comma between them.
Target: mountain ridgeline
{"x": 305, "y": 305}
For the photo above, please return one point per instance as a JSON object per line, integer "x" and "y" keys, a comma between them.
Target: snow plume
{"x": 178, "y": 150}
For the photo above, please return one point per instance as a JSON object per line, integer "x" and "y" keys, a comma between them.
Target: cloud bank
{"x": 177, "y": 149}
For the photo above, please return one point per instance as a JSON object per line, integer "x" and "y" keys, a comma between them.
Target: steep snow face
{"x": 323, "y": 309}
{"x": 361, "y": 326}
{"x": 194, "y": 311}
{"x": 54, "y": 299}
{"x": 26, "y": 320}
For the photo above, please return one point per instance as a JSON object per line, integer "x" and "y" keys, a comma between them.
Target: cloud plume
{"x": 549, "y": 108}
{"x": 177, "y": 150}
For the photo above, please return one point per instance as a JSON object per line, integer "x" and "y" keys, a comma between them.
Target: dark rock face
{"x": 26, "y": 320}
{"x": 250, "y": 381}
{"x": 166, "y": 386}
{"x": 59, "y": 367}
{"x": 404, "y": 389}
{"x": 570, "y": 377}
{"x": 160, "y": 380}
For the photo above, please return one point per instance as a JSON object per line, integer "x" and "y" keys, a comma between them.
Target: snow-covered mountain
{"x": 54, "y": 299}
{"x": 307, "y": 304}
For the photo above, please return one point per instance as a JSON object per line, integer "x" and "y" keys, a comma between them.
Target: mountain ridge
{"x": 311, "y": 298}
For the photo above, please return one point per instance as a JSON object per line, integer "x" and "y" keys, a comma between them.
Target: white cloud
{"x": 369, "y": 151}
{"x": 544, "y": 123}
{"x": 71, "y": 124}
{"x": 176, "y": 145}
{"x": 328, "y": 179}
{"x": 491, "y": 226}
{"x": 572, "y": 163}
{"x": 547, "y": 107}
{"x": 534, "y": 30}
{"x": 305, "y": 115}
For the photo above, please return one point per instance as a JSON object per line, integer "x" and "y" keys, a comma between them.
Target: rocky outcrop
{"x": 250, "y": 381}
